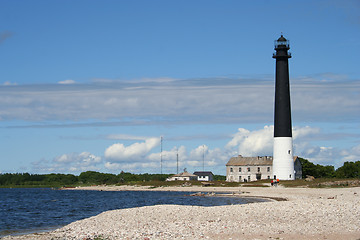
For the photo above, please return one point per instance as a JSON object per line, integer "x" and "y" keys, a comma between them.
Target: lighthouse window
{"x": 231, "y": 169}
{"x": 289, "y": 151}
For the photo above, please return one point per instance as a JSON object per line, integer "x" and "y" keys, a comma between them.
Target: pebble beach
{"x": 290, "y": 213}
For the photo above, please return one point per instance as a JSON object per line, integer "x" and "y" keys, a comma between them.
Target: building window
{"x": 249, "y": 178}
{"x": 239, "y": 178}
{"x": 248, "y": 169}
{"x": 258, "y": 169}
{"x": 231, "y": 169}
{"x": 268, "y": 177}
{"x": 268, "y": 169}
{"x": 239, "y": 169}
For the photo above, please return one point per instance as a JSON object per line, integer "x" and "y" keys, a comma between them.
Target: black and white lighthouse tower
{"x": 283, "y": 163}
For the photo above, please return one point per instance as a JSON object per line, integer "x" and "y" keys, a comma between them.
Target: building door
{"x": 258, "y": 176}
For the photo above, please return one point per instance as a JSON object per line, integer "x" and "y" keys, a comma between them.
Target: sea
{"x": 28, "y": 210}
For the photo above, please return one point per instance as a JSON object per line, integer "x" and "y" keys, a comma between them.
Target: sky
{"x": 95, "y": 85}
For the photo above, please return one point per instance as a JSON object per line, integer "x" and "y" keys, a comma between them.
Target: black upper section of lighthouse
{"x": 282, "y": 115}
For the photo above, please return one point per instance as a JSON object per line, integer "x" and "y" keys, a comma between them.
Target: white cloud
{"x": 118, "y": 152}
{"x": 247, "y": 143}
{"x": 254, "y": 143}
{"x": 65, "y": 158}
{"x": 125, "y": 137}
{"x": 71, "y": 162}
{"x": 322, "y": 155}
{"x": 199, "y": 152}
{"x": 260, "y": 143}
{"x": 299, "y": 132}
{"x": 143, "y": 156}
{"x": 42, "y": 166}
{"x": 84, "y": 159}
{"x": 138, "y": 157}
{"x": 180, "y": 101}
{"x": 75, "y": 162}
{"x": 132, "y": 167}
{"x": 170, "y": 154}
{"x": 203, "y": 155}
{"x": 142, "y": 80}
{"x": 351, "y": 155}
{"x": 113, "y": 166}
{"x": 68, "y": 81}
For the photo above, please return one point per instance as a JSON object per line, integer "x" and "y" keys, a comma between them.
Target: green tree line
{"x": 348, "y": 170}
{"x": 85, "y": 178}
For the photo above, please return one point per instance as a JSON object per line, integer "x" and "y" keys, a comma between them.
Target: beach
{"x": 290, "y": 213}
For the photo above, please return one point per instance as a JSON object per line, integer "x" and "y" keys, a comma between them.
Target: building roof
{"x": 203, "y": 173}
{"x": 184, "y": 174}
{"x": 249, "y": 161}
{"x": 252, "y": 161}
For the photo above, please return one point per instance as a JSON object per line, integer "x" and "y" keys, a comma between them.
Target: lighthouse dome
{"x": 282, "y": 39}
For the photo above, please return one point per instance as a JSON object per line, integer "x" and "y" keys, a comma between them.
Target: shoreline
{"x": 308, "y": 213}
{"x": 279, "y": 192}
{"x": 216, "y": 191}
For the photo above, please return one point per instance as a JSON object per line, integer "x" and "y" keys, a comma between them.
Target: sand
{"x": 308, "y": 213}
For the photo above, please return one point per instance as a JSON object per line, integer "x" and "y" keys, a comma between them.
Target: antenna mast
{"x": 161, "y": 140}
{"x": 203, "y": 158}
{"x": 177, "y": 161}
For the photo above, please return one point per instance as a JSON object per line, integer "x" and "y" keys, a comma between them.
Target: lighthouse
{"x": 283, "y": 163}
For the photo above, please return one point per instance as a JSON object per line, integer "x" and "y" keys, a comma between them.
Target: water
{"x": 25, "y": 210}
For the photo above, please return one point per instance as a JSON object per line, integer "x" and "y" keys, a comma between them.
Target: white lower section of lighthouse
{"x": 283, "y": 161}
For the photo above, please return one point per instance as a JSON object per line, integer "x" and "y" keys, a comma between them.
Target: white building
{"x": 184, "y": 176}
{"x": 204, "y": 176}
{"x": 246, "y": 169}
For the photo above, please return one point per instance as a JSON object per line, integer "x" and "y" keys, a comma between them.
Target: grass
{"x": 155, "y": 184}
{"x": 254, "y": 185}
{"x": 316, "y": 183}
{"x": 322, "y": 182}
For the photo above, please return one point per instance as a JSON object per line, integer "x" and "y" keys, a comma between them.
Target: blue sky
{"x": 92, "y": 85}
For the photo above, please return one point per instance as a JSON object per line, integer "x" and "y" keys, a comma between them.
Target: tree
{"x": 91, "y": 177}
{"x": 349, "y": 170}
{"x": 219, "y": 178}
{"x": 317, "y": 171}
